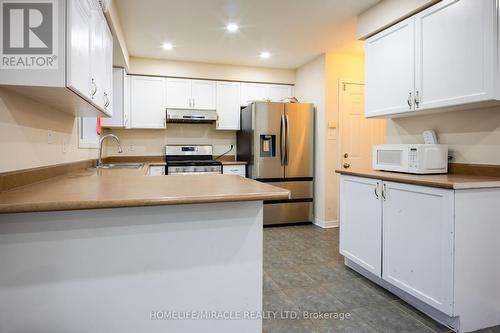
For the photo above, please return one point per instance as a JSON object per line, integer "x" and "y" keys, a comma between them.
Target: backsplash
{"x": 472, "y": 135}
{"x": 138, "y": 142}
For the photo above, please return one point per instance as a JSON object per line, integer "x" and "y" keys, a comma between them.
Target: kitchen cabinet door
{"x": 108, "y": 70}
{"x": 361, "y": 222}
{"x": 390, "y": 70}
{"x": 228, "y": 106}
{"x": 97, "y": 55}
{"x": 455, "y": 62}
{"x": 178, "y": 94}
{"x": 279, "y": 92}
{"x": 203, "y": 94}
{"x": 121, "y": 100}
{"x": 147, "y": 102}
{"x": 418, "y": 242}
{"x": 251, "y": 92}
{"x": 78, "y": 47}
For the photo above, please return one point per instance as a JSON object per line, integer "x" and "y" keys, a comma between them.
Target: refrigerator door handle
{"x": 287, "y": 140}
{"x": 282, "y": 140}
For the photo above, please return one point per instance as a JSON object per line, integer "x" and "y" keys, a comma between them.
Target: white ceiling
{"x": 294, "y": 31}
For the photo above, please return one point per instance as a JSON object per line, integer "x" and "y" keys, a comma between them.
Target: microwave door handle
{"x": 287, "y": 140}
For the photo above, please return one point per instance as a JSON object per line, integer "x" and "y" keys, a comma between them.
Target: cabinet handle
{"x": 376, "y": 191}
{"x": 164, "y": 122}
{"x": 417, "y": 99}
{"x": 194, "y": 102}
{"x": 94, "y": 91}
{"x": 106, "y": 100}
{"x": 384, "y": 189}
{"x": 409, "y": 100}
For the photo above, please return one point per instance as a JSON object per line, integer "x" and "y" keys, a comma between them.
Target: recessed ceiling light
{"x": 265, "y": 55}
{"x": 167, "y": 46}
{"x": 232, "y": 27}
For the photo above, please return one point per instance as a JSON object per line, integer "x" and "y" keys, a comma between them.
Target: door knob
{"x": 346, "y": 155}
{"x": 346, "y": 165}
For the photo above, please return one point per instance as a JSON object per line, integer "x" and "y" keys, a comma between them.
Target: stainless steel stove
{"x": 191, "y": 160}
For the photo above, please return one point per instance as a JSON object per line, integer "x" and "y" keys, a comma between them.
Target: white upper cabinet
{"x": 79, "y": 20}
{"x": 228, "y": 106}
{"x": 279, "y": 92}
{"x": 203, "y": 94}
{"x": 178, "y": 93}
{"x": 455, "y": 53}
{"x": 121, "y": 100}
{"x": 418, "y": 242}
{"x": 80, "y": 62}
{"x": 389, "y": 70}
{"x": 251, "y": 92}
{"x": 361, "y": 229}
{"x": 446, "y": 57}
{"x": 147, "y": 102}
{"x": 190, "y": 94}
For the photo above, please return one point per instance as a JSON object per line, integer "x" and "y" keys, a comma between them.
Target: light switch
{"x": 332, "y": 124}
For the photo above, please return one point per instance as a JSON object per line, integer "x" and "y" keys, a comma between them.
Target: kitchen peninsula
{"x": 119, "y": 251}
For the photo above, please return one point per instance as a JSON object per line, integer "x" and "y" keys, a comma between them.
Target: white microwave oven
{"x": 411, "y": 158}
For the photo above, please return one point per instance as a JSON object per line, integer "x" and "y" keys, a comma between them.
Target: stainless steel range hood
{"x": 191, "y": 116}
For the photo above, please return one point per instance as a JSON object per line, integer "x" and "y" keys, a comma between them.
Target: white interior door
{"x": 358, "y": 134}
{"x": 178, "y": 95}
{"x": 361, "y": 222}
{"x": 390, "y": 70}
{"x": 454, "y": 53}
{"x": 418, "y": 242}
{"x": 203, "y": 94}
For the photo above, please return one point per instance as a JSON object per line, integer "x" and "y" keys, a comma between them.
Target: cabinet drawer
{"x": 239, "y": 170}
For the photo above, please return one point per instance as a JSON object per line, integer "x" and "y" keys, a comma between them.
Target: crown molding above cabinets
{"x": 442, "y": 59}
{"x": 70, "y": 69}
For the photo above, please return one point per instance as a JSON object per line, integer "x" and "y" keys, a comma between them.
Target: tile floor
{"x": 303, "y": 271}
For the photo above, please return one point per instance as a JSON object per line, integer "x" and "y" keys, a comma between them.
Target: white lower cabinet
{"x": 401, "y": 233}
{"x": 238, "y": 169}
{"x": 417, "y": 238}
{"x": 360, "y": 232}
{"x": 156, "y": 170}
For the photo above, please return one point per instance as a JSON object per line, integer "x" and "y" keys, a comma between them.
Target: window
{"x": 87, "y": 134}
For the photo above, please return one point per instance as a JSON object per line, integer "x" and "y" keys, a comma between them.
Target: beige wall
{"x": 210, "y": 71}
{"x": 310, "y": 88}
{"x": 473, "y": 135}
{"x": 24, "y": 125}
{"x": 338, "y": 66}
{"x": 137, "y": 142}
{"x": 386, "y": 13}
{"x": 318, "y": 82}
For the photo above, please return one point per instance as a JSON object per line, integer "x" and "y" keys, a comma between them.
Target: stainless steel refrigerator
{"x": 277, "y": 142}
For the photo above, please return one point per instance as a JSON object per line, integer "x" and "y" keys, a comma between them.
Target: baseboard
{"x": 326, "y": 224}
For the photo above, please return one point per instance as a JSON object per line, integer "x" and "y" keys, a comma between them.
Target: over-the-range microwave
{"x": 411, "y": 158}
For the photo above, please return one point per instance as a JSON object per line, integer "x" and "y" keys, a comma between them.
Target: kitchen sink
{"x": 122, "y": 166}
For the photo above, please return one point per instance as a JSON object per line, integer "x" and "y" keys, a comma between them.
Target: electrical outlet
{"x": 64, "y": 147}
{"x": 50, "y": 137}
{"x": 131, "y": 147}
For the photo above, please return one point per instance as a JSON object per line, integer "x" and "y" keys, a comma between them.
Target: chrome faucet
{"x": 99, "y": 161}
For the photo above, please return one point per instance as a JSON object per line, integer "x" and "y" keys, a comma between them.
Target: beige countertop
{"x": 92, "y": 188}
{"x": 449, "y": 181}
